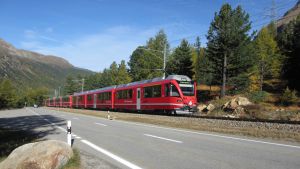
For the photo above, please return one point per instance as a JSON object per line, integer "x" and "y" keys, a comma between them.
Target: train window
{"x": 65, "y": 99}
{"x": 129, "y": 93}
{"x": 173, "y": 91}
{"x": 89, "y": 97}
{"x": 187, "y": 87}
{"x": 152, "y": 91}
{"x": 74, "y": 99}
{"x": 104, "y": 96}
{"x": 124, "y": 94}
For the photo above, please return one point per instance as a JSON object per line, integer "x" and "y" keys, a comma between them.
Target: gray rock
{"x": 201, "y": 107}
{"x": 210, "y": 107}
{"x": 235, "y": 103}
{"x": 51, "y": 154}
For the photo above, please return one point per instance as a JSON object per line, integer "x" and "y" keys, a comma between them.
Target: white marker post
{"x": 69, "y": 135}
{"x": 108, "y": 116}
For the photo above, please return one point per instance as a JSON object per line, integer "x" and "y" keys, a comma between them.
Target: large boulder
{"x": 51, "y": 154}
{"x": 235, "y": 103}
{"x": 210, "y": 107}
{"x": 201, "y": 107}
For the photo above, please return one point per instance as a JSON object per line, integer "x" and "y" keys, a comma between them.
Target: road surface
{"x": 135, "y": 145}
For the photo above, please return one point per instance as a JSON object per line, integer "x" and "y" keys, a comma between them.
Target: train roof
{"x": 158, "y": 79}
{"x": 95, "y": 90}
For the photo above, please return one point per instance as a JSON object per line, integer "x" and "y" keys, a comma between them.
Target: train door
{"x": 138, "y": 98}
{"x": 95, "y": 101}
{"x": 77, "y": 98}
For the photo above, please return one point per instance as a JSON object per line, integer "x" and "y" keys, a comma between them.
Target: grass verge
{"x": 256, "y": 129}
{"x": 74, "y": 162}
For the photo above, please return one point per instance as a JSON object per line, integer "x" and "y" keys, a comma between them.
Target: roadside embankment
{"x": 286, "y": 132}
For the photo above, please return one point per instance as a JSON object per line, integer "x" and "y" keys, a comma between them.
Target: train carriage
{"x": 176, "y": 93}
{"x": 52, "y": 102}
{"x": 58, "y": 102}
{"x": 100, "y": 98}
{"x": 79, "y": 100}
{"x": 66, "y": 101}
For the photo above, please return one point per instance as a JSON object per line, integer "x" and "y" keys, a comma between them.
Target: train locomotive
{"x": 174, "y": 94}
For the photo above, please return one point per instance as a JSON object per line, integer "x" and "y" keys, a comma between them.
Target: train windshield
{"x": 187, "y": 88}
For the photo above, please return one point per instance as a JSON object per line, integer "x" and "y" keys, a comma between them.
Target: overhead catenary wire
{"x": 280, "y": 6}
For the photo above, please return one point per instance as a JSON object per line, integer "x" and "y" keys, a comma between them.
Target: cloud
{"x": 94, "y": 51}
{"x": 98, "y": 50}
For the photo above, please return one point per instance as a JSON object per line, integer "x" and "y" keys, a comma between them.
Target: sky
{"x": 91, "y": 34}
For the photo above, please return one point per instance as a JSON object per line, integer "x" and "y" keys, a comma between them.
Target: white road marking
{"x": 111, "y": 155}
{"x": 76, "y": 118}
{"x": 214, "y": 135}
{"x": 101, "y": 124}
{"x": 162, "y": 138}
{"x": 200, "y": 133}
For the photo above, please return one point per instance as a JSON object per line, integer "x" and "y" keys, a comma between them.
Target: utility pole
{"x": 82, "y": 83}
{"x": 164, "y": 66}
{"x": 58, "y": 91}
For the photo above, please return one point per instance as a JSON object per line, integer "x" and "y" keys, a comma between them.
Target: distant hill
{"x": 30, "y": 69}
{"x": 289, "y": 15}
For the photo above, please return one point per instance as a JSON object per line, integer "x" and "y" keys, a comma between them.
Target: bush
{"x": 288, "y": 97}
{"x": 258, "y": 96}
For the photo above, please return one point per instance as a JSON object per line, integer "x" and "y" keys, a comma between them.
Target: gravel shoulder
{"x": 278, "y": 131}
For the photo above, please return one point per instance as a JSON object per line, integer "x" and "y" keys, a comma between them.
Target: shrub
{"x": 258, "y": 96}
{"x": 288, "y": 97}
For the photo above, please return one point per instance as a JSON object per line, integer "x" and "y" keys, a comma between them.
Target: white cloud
{"x": 97, "y": 51}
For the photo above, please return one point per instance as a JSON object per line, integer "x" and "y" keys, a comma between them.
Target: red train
{"x": 176, "y": 93}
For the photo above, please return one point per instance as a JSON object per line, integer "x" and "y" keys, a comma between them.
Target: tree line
{"x": 233, "y": 56}
{"x": 12, "y": 97}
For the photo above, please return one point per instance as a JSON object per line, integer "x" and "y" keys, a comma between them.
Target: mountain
{"x": 289, "y": 15}
{"x": 30, "y": 69}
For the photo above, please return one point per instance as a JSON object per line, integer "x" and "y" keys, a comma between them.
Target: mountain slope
{"x": 289, "y": 15}
{"x": 30, "y": 69}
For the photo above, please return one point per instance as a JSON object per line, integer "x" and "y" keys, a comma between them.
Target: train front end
{"x": 187, "y": 91}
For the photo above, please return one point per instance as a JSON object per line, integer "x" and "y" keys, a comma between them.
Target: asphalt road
{"x": 122, "y": 144}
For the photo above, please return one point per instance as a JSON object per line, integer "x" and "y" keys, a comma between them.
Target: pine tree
{"x": 146, "y": 62}
{"x": 113, "y": 73}
{"x": 289, "y": 42}
{"x": 181, "y": 60}
{"x": 123, "y": 75}
{"x": 268, "y": 58}
{"x": 201, "y": 64}
{"x": 227, "y": 35}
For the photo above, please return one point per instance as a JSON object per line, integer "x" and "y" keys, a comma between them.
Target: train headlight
{"x": 190, "y": 103}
